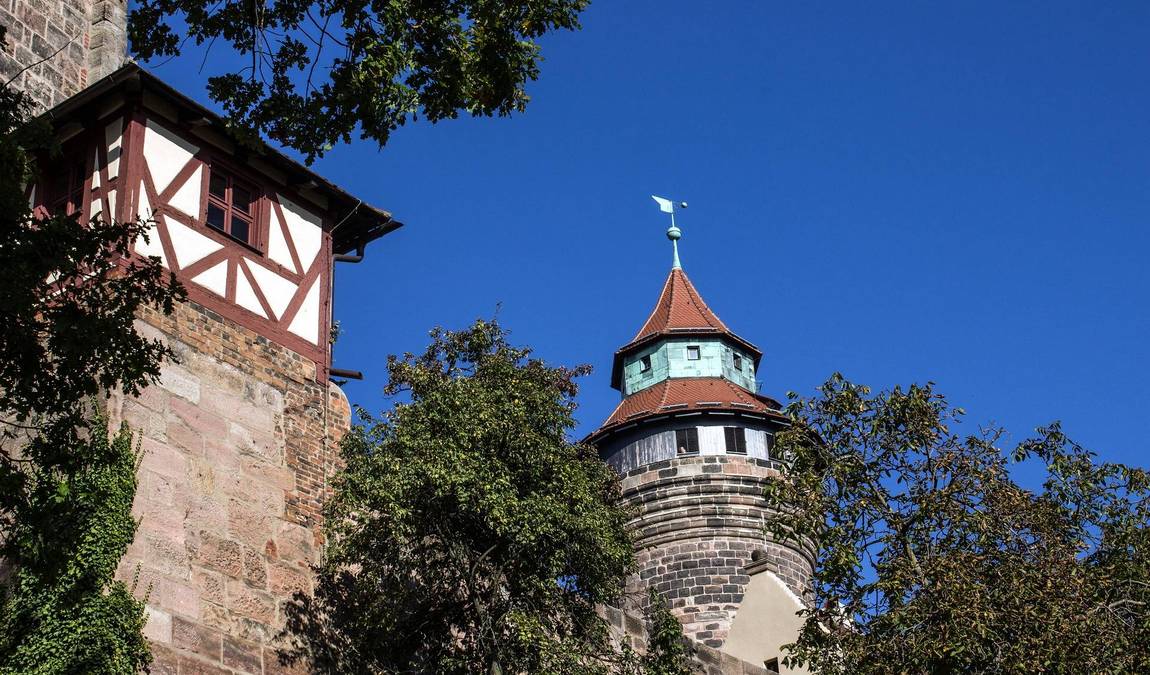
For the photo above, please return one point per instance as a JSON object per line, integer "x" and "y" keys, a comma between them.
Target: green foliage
{"x": 62, "y": 611}
{"x": 380, "y": 64}
{"x": 467, "y": 534}
{"x": 667, "y": 652}
{"x": 68, "y": 292}
{"x": 933, "y": 558}
{"x": 69, "y": 295}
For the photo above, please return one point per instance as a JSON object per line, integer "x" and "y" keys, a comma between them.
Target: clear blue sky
{"x": 900, "y": 191}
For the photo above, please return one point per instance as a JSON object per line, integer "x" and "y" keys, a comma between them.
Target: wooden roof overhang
{"x": 353, "y": 223}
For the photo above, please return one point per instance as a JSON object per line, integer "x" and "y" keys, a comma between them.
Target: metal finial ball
{"x": 673, "y": 233}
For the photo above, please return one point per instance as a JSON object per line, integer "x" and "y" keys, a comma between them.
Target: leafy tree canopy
{"x": 467, "y": 534}
{"x": 63, "y": 611}
{"x": 68, "y": 290}
{"x": 320, "y": 70}
{"x": 69, "y": 294}
{"x": 933, "y": 558}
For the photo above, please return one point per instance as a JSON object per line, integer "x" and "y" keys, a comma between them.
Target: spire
{"x": 673, "y": 232}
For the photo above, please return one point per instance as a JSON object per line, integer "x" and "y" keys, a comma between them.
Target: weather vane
{"x": 673, "y": 232}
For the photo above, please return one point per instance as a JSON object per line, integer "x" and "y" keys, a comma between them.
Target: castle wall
{"x": 239, "y": 442}
{"x": 701, "y": 520}
{"x": 64, "y": 46}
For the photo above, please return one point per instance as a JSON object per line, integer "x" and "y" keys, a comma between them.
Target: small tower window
{"x": 66, "y": 190}
{"x": 738, "y": 362}
{"x": 645, "y": 364}
{"x": 693, "y": 353}
{"x": 687, "y": 441}
{"x": 231, "y": 207}
{"x": 736, "y": 440}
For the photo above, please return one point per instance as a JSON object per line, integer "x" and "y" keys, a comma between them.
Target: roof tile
{"x": 688, "y": 393}
{"x": 680, "y": 307}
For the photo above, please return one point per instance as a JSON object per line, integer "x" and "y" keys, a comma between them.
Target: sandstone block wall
{"x": 239, "y": 441}
{"x": 700, "y": 521}
{"x": 63, "y": 44}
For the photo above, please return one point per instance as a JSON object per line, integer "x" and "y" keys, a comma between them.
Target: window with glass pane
{"x": 66, "y": 190}
{"x": 230, "y": 206}
{"x": 736, "y": 438}
{"x": 687, "y": 441}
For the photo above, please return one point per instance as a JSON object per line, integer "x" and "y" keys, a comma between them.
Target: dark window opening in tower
{"x": 772, "y": 665}
{"x": 66, "y": 189}
{"x": 644, "y": 364}
{"x": 692, "y": 353}
{"x": 736, "y": 440}
{"x": 738, "y": 362}
{"x": 687, "y": 440}
{"x": 231, "y": 207}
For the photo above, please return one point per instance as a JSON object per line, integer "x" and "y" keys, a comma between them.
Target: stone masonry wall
{"x": 55, "y": 48}
{"x": 629, "y": 629}
{"x": 701, "y": 519}
{"x": 239, "y": 441}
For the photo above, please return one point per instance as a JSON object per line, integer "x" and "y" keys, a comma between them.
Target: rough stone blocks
{"x": 239, "y": 443}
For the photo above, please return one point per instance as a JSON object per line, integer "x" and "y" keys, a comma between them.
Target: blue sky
{"x": 900, "y": 191}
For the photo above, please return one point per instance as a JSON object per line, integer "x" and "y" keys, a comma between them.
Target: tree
{"x": 932, "y": 557}
{"x": 319, "y": 71}
{"x": 65, "y": 612}
{"x": 467, "y": 534}
{"x": 69, "y": 294}
{"x": 667, "y": 651}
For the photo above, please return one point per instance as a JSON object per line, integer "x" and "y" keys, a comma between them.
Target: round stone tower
{"x": 693, "y": 442}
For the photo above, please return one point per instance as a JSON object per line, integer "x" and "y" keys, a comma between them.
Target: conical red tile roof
{"x": 680, "y": 307}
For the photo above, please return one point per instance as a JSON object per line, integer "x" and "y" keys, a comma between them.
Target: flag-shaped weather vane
{"x": 673, "y": 232}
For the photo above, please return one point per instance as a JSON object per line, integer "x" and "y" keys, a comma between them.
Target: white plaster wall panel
{"x": 144, "y": 208}
{"x": 187, "y": 198}
{"x": 188, "y": 244}
{"x": 215, "y": 279}
{"x": 277, "y": 243}
{"x": 165, "y": 153}
{"x": 277, "y": 290}
{"x": 112, "y": 204}
{"x": 306, "y": 321}
{"x": 97, "y": 207}
{"x": 756, "y": 443}
{"x": 148, "y": 243}
{"x": 305, "y": 228}
{"x": 712, "y": 441}
{"x": 246, "y": 297}
{"x": 95, "y": 168}
{"x": 32, "y": 197}
{"x": 112, "y": 135}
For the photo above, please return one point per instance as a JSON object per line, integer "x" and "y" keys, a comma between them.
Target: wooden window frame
{"x": 696, "y": 350}
{"x": 257, "y": 206}
{"x": 645, "y": 364}
{"x": 78, "y": 147}
{"x": 736, "y": 440}
{"x": 737, "y": 360}
{"x": 684, "y": 440}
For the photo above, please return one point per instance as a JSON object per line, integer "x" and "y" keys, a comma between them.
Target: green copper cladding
{"x": 674, "y": 234}
{"x": 672, "y": 358}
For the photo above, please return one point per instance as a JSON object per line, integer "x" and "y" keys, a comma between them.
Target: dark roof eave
{"x": 360, "y": 222}
{"x": 604, "y": 431}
